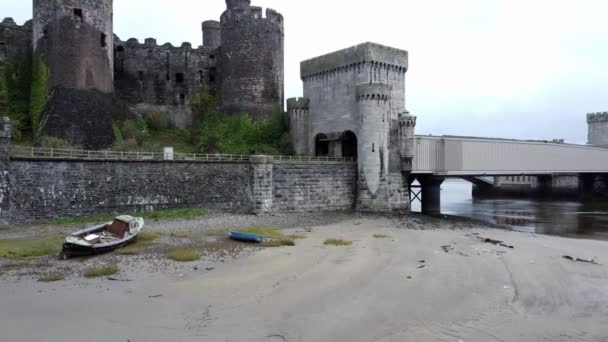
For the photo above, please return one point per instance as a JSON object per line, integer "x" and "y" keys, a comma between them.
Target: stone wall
{"x": 33, "y": 190}
{"x": 15, "y": 41}
{"x": 49, "y": 189}
{"x": 163, "y": 79}
{"x": 313, "y": 186}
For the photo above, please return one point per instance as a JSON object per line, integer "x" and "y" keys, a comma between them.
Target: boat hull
{"x": 70, "y": 250}
{"x": 245, "y": 237}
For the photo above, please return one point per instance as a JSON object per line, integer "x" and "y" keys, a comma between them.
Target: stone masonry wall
{"x": 33, "y": 190}
{"x": 309, "y": 186}
{"x": 43, "y": 190}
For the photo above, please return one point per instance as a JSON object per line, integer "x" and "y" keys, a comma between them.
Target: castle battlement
{"x": 373, "y": 91}
{"x": 597, "y": 117}
{"x": 133, "y": 43}
{"x": 9, "y": 23}
{"x": 298, "y": 103}
{"x": 375, "y": 55}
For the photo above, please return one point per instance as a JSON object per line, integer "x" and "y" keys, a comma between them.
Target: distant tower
{"x": 251, "y": 60}
{"x": 598, "y": 129}
{"x": 212, "y": 34}
{"x": 75, "y": 40}
{"x": 298, "y": 109}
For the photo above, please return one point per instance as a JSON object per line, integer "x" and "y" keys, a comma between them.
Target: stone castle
{"x": 94, "y": 75}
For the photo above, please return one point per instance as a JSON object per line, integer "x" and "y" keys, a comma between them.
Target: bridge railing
{"x": 25, "y": 152}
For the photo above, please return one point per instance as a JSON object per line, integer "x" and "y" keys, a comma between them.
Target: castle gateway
{"x": 354, "y": 106}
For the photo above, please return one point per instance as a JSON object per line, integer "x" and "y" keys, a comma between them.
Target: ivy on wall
{"x": 24, "y": 95}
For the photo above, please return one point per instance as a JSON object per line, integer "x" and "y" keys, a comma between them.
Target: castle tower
{"x": 373, "y": 103}
{"x": 298, "y": 109}
{"x": 598, "y": 129}
{"x": 212, "y": 34}
{"x": 75, "y": 40}
{"x": 251, "y": 60}
{"x": 407, "y": 127}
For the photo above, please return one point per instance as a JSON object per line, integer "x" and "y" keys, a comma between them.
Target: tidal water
{"x": 553, "y": 217}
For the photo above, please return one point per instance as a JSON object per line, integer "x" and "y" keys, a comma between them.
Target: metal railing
{"x": 26, "y": 152}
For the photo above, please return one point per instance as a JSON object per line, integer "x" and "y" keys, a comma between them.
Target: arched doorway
{"x": 321, "y": 145}
{"x": 349, "y": 145}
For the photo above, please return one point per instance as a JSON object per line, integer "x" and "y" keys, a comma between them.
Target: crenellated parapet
{"x": 366, "y": 57}
{"x": 298, "y": 103}
{"x": 597, "y": 117}
{"x": 373, "y": 92}
{"x": 15, "y": 41}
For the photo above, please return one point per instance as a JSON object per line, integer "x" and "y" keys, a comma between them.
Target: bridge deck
{"x": 460, "y": 156}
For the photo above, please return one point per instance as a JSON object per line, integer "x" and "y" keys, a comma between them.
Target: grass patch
{"x": 380, "y": 236}
{"x": 183, "y": 255}
{"x": 51, "y": 277}
{"x": 337, "y": 242}
{"x": 148, "y": 236}
{"x": 296, "y": 237}
{"x": 217, "y": 232}
{"x": 100, "y": 271}
{"x": 181, "y": 235}
{"x": 134, "y": 248}
{"x": 279, "y": 243}
{"x": 87, "y": 219}
{"x": 265, "y": 232}
{"x": 26, "y": 248}
{"x": 180, "y": 213}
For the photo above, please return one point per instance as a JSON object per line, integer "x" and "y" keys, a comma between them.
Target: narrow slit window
{"x": 373, "y": 147}
{"x": 140, "y": 74}
{"x": 201, "y": 76}
{"x": 182, "y": 99}
{"x": 78, "y": 14}
{"x": 104, "y": 40}
{"x": 212, "y": 72}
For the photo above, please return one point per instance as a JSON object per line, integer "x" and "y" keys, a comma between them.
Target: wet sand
{"x": 429, "y": 280}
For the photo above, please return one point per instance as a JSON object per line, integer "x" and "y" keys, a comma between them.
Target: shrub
{"x": 100, "y": 271}
{"x": 52, "y": 142}
{"x": 337, "y": 242}
{"x": 183, "y": 255}
{"x": 157, "y": 121}
{"x": 51, "y": 277}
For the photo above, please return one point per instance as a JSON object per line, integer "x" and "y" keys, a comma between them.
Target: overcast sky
{"x": 499, "y": 68}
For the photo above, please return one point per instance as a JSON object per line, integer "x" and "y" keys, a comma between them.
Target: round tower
{"x": 298, "y": 109}
{"x": 407, "y": 127}
{"x": 74, "y": 38}
{"x": 251, "y": 61}
{"x": 212, "y": 34}
{"x": 598, "y": 129}
{"x": 373, "y": 102}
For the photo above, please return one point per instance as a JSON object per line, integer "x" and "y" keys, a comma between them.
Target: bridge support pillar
{"x": 545, "y": 185}
{"x": 431, "y": 194}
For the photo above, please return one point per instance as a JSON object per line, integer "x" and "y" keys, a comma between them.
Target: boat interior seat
{"x": 118, "y": 229}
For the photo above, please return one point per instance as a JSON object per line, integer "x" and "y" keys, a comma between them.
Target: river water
{"x": 553, "y": 217}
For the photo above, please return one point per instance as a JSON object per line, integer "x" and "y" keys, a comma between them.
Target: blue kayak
{"x": 245, "y": 237}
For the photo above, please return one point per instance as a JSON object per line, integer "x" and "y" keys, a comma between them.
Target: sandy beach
{"x": 407, "y": 279}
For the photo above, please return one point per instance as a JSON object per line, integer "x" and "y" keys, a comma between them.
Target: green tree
{"x": 38, "y": 96}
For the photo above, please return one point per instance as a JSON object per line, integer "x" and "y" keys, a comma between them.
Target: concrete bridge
{"x": 471, "y": 158}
